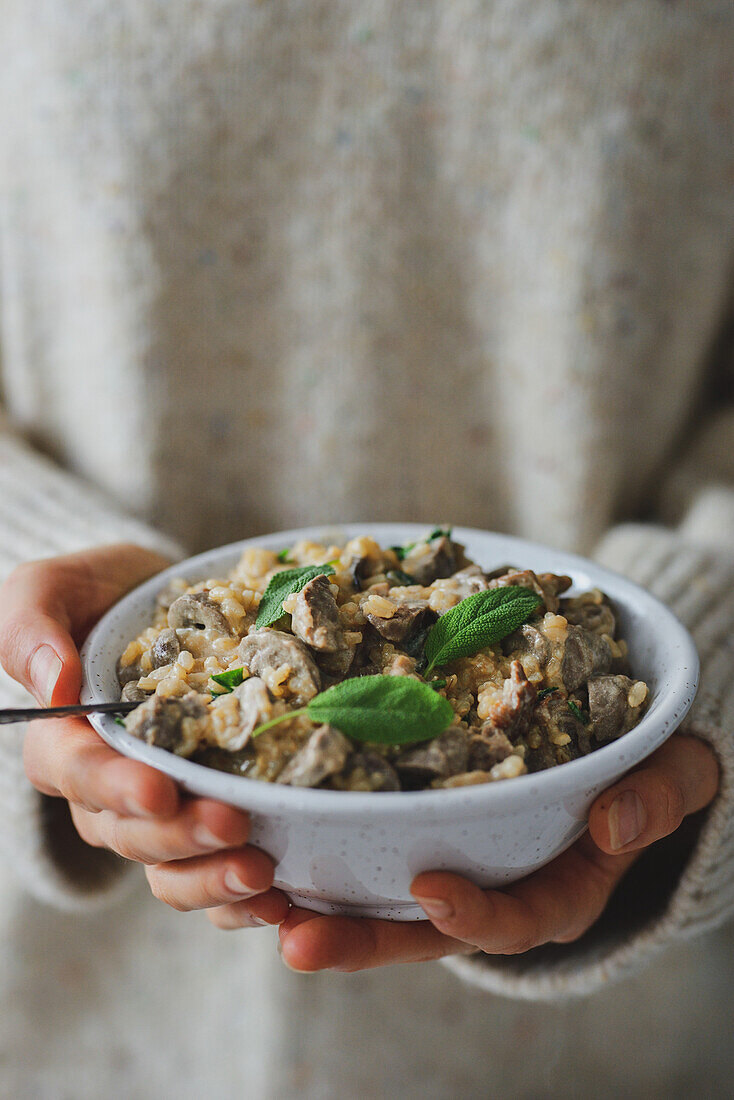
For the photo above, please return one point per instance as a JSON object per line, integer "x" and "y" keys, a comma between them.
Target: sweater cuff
{"x": 682, "y": 885}
{"x": 45, "y": 511}
{"x": 38, "y": 840}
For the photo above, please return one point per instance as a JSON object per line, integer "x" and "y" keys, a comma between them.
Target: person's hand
{"x": 556, "y": 904}
{"x": 194, "y": 849}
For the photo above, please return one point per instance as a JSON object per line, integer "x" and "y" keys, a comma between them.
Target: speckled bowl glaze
{"x": 357, "y": 853}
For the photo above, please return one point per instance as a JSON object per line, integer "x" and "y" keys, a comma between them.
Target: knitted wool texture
{"x": 282, "y": 263}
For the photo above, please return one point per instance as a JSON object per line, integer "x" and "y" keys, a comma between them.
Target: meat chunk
{"x": 166, "y": 648}
{"x": 513, "y": 712}
{"x": 611, "y": 712}
{"x": 127, "y": 673}
{"x": 563, "y": 735}
{"x": 584, "y": 655}
{"x": 367, "y": 771}
{"x": 486, "y": 751}
{"x": 236, "y": 763}
{"x": 445, "y": 755}
{"x": 408, "y": 619}
{"x": 198, "y": 610}
{"x": 337, "y": 665}
{"x": 177, "y": 724}
{"x": 324, "y": 754}
{"x": 578, "y": 652}
{"x": 315, "y": 617}
{"x": 592, "y": 611}
{"x": 500, "y": 571}
{"x": 266, "y": 650}
{"x": 529, "y": 642}
{"x": 547, "y": 585}
{"x": 427, "y": 561}
{"x": 131, "y": 693}
{"x": 361, "y": 569}
{"x": 468, "y": 581}
{"x": 236, "y": 715}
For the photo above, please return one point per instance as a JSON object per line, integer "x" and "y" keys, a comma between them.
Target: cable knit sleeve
{"x": 45, "y": 512}
{"x": 683, "y": 885}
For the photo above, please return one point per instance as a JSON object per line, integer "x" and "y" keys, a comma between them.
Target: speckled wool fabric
{"x": 271, "y": 263}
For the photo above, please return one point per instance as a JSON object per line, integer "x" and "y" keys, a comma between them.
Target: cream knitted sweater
{"x": 266, "y": 264}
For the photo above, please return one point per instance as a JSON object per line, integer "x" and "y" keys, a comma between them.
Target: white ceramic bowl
{"x": 356, "y": 853}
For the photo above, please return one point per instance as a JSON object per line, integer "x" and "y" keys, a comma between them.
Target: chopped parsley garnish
{"x": 437, "y": 533}
{"x": 577, "y": 712}
{"x": 399, "y": 579}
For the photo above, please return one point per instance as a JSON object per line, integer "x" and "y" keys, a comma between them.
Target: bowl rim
{"x": 589, "y": 770}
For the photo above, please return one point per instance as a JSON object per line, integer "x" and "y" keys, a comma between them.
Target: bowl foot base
{"x": 397, "y": 910}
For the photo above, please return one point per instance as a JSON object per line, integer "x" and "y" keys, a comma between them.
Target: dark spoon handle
{"x": 29, "y": 714}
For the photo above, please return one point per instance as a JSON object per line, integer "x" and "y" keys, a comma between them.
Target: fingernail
{"x": 435, "y": 907}
{"x": 206, "y": 838}
{"x": 45, "y": 670}
{"x": 234, "y": 883}
{"x": 626, "y": 819}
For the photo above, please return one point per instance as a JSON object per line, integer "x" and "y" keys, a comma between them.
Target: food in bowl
{"x": 367, "y": 668}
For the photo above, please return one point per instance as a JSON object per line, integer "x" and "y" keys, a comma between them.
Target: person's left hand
{"x": 556, "y": 904}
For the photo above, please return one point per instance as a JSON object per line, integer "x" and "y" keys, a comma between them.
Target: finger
{"x": 65, "y": 757}
{"x": 200, "y": 827}
{"x": 268, "y": 908}
{"x": 207, "y": 881}
{"x": 40, "y": 654}
{"x": 298, "y": 916}
{"x": 650, "y": 803}
{"x": 316, "y": 942}
{"x": 555, "y": 904}
{"x": 46, "y": 608}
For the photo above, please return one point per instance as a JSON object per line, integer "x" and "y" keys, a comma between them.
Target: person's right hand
{"x": 193, "y": 849}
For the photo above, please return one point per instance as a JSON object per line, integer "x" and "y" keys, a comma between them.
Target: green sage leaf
{"x": 281, "y": 586}
{"x": 545, "y": 692}
{"x": 478, "y": 621}
{"x": 283, "y": 555}
{"x": 230, "y": 679}
{"x": 389, "y": 710}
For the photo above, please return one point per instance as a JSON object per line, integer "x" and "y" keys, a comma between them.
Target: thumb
{"x": 38, "y": 651}
{"x": 678, "y": 779}
{"x": 47, "y": 606}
